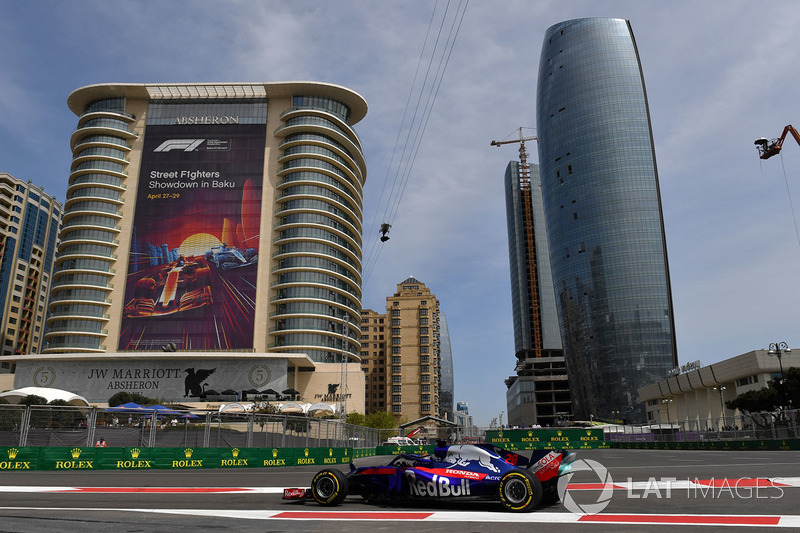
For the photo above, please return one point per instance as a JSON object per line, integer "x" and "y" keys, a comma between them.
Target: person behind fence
{"x": 101, "y": 443}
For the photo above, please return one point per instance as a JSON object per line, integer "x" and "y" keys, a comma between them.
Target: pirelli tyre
{"x": 329, "y": 487}
{"x": 520, "y": 491}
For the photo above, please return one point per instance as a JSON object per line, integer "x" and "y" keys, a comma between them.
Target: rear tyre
{"x": 329, "y": 487}
{"x": 519, "y": 491}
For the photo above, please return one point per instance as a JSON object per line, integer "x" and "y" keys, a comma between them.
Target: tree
{"x": 39, "y": 417}
{"x": 755, "y": 401}
{"x": 383, "y": 421}
{"x": 127, "y": 397}
{"x": 776, "y": 394}
{"x": 63, "y": 416}
{"x": 792, "y": 387}
{"x": 356, "y": 419}
{"x": 33, "y": 399}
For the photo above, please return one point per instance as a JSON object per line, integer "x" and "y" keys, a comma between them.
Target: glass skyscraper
{"x": 521, "y": 260}
{"x": 604, "y": 218}
{"x": 538, "y": 393}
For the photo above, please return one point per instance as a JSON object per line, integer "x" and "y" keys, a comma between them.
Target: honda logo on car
{"x": 452, "y": 472}
{"x": 437, "y": 487}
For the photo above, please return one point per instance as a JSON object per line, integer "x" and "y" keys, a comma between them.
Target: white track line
{"x": 772, "y": 521}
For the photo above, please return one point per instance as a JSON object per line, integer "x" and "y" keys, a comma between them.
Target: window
{"x": 397, "y": 388}
{"x": 397, "y": 398}
{"x": 423, "y": 331}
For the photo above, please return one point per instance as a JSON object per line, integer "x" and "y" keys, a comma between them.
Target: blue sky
{"x": 719, "y": 74}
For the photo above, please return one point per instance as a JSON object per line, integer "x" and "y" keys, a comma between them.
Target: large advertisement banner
{"x": 194, "y": 250}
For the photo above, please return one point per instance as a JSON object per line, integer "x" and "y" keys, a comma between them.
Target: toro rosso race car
{"x": 476, "y": 471}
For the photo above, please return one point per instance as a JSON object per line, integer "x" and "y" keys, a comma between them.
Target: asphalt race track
{"x": 611, "y": 490}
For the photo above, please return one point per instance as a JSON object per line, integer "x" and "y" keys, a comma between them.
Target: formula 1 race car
{"x": 171, "y": 288}
{"x": 478, "y": 471}
{"x": 227, "y": 257}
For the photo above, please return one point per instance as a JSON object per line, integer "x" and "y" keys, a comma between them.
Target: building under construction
{"x": 539, "y": 392}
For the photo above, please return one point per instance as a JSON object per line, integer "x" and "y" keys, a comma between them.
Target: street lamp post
{"x": 777, "y": 349}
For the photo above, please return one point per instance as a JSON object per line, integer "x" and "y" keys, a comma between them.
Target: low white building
{"x": 701, "y": 393}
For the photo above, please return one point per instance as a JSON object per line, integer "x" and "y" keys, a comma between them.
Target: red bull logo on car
{"x": 437, "y": 486}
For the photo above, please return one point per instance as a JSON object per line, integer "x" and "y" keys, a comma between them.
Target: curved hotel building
{"x": 604, "y": 218}
{"x": 216, "y": 219}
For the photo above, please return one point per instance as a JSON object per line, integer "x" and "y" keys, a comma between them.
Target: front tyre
{"x": 519, "y": 491}
{"x": 329, "y": 487}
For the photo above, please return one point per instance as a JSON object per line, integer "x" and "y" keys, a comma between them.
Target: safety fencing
{"x": 88, "y": 458}
{"x": 69, "y": 426}
{"x": 751, "y": 427}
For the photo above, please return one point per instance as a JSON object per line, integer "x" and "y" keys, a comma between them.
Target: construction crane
{"x": 527, "y": 221}
{"x": 767, "y": 148}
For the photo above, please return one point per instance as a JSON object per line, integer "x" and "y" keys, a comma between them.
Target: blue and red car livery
{"x": 477, "y": 471}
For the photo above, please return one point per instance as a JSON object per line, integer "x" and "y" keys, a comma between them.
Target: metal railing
{"x": 766, "y": 425}
{"x": 50, "y": 425}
